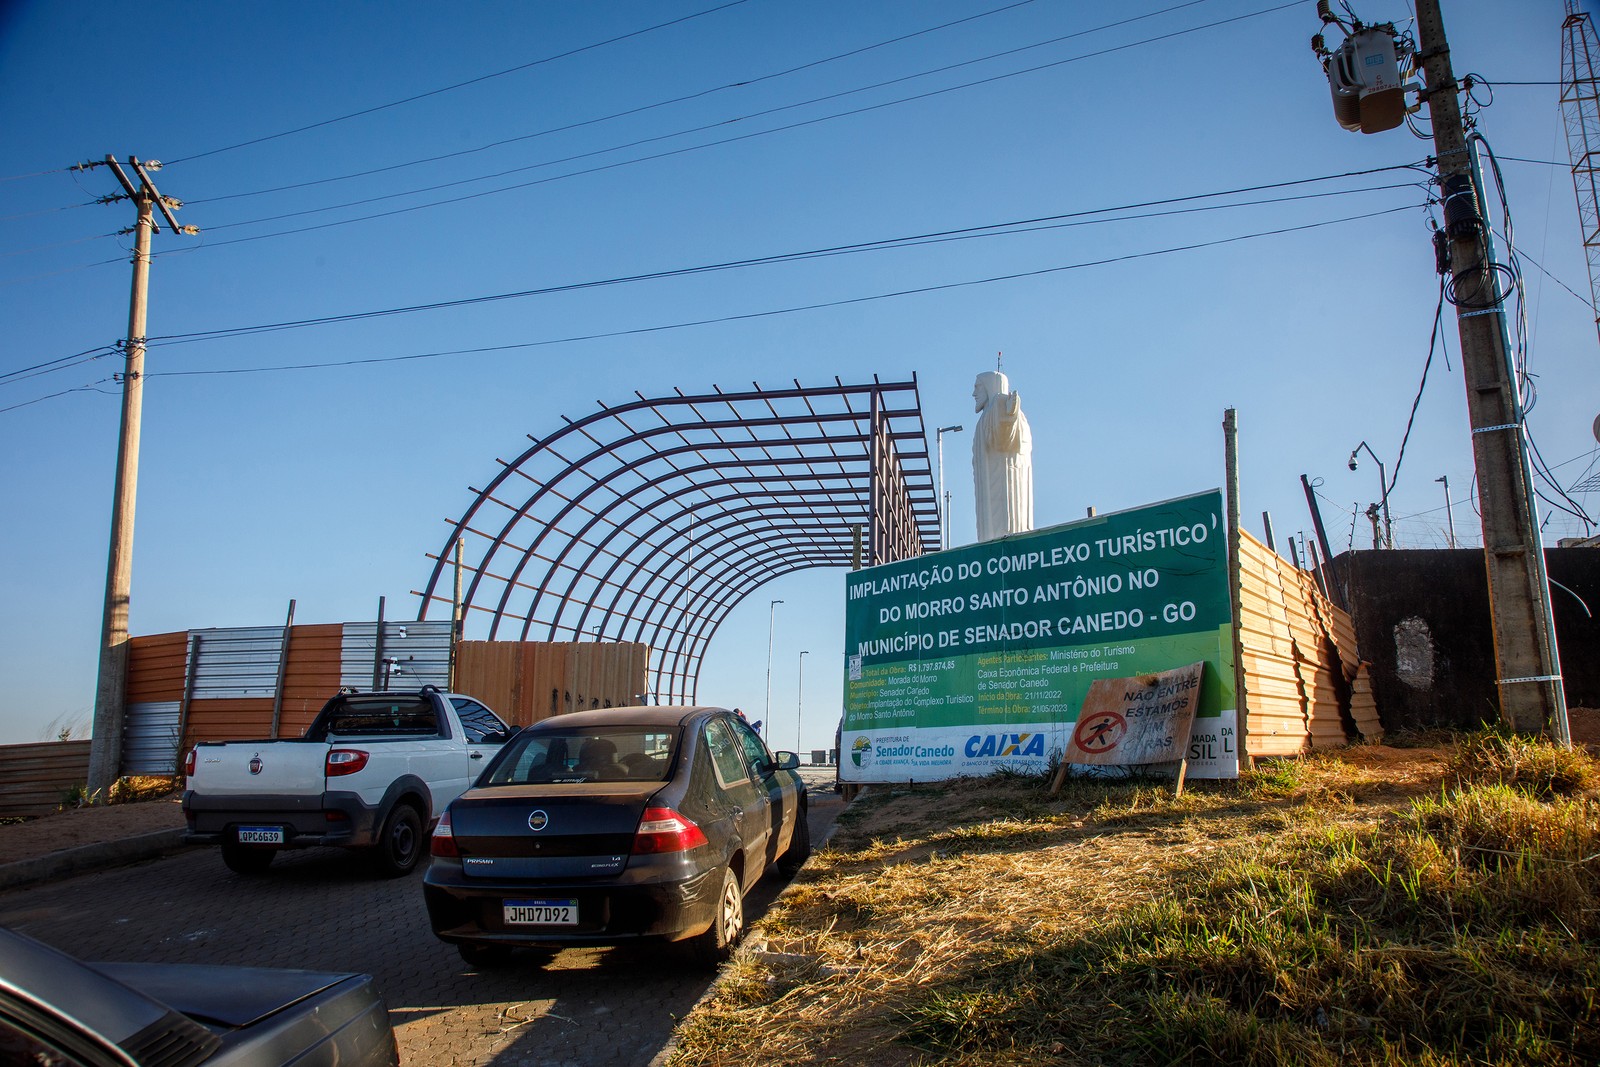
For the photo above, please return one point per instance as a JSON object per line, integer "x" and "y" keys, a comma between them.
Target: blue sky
{"x": 330, "y": 485}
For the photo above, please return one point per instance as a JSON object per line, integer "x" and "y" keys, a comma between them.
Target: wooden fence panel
{"x": 526, "y": 681}
{"x": 312, "y": 675}
{"x": 1307, "y": 685}
{"x": 229, "y": 719}
{"x": 157, "y": 665}
{"x": 34, "y": 779}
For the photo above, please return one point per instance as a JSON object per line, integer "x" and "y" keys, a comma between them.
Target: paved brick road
{"x": 320, "y": 910}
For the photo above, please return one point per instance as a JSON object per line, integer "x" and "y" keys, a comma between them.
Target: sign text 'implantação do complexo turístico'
{"x": 976, "y": 658}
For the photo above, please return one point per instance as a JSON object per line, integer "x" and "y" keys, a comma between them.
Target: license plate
{"x": 260, "y": 835}
{"x": 541, "y": 912}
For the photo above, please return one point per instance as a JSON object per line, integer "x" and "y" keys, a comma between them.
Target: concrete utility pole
{"x": 1528, "y": 664}
{"x": 105, "y": 747}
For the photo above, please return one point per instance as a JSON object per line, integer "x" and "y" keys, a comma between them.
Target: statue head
{"x": 990, "y": 384}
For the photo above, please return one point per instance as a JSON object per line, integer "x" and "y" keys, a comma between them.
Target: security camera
{"x": 1352, "y": 463}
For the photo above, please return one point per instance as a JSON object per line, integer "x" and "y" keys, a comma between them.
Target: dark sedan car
{"x": 600, "y": 827}
{"x": 56, "y": 1011}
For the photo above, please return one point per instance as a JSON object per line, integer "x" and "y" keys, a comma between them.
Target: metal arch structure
{"x": 651, "y": 520}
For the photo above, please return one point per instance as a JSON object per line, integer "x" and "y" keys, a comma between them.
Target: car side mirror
{"x": 785, "y": 761}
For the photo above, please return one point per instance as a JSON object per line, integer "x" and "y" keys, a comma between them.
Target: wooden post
{"x": 283, "y": 672}
{"x": 457, "y": 620}
{"x": 188, "y": 696}
{"x": 1230, "y": 432}
{"x": 377, "y": 651}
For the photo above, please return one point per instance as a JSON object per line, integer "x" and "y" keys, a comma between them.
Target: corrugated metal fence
{"x": 1307, "y": 687}
{"x": 222, "y": 684}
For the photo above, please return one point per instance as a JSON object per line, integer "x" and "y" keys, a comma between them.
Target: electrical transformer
{"x": 1364, "y": 76}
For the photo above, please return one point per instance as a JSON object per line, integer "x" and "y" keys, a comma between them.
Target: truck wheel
{"x": 715, "y": 945}
{"x": 247, "y": 859}
{"x": 794, "y": 857}
{"x": 399, "y": 845}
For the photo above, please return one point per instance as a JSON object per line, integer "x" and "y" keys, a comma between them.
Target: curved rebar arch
{"x": 607, "y": 530}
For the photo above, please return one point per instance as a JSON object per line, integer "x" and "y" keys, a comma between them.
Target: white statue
{"x": 1002, "y": 459}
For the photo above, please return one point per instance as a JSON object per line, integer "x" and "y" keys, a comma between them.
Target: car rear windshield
{"x": 610, "y": 753}
{"x": 401, "y": 716}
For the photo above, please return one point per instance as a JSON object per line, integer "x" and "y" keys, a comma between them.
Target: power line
{"x": 988, "y": 229}
{"x": 61, "y": 363}
{"x": 823, "y": 305}
{"x": 90, "y": 388}
{"x": 35, "y": 174}
{"x": 740, "y": 84}
{"x": 710, "y": 144}
{"x": 1433, "y": 339}
{"x": 458, "y": 85}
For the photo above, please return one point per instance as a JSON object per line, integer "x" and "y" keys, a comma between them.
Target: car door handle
{"x": 476, "y": 755}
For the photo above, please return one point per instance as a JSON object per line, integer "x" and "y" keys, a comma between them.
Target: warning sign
{"x": 1144, "y": 719}
{"x": 1099, "y": 733}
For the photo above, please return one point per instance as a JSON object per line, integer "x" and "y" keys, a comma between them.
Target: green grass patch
{"x": 1373, "y": 911}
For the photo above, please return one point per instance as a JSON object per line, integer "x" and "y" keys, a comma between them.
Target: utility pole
{"x": 1528, "y": 664}
{"x": 105, "y": 746}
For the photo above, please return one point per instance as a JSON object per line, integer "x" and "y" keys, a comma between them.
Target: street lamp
{"x": 799, "y": 701}
{"x": 1449, "y": 514}
{"x": 1383, "y": 485}
{"x": 944, "y": 497}
{"x": 772, "y": 611}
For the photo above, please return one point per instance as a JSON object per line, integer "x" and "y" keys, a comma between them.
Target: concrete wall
{"x": 1422, "y": 621}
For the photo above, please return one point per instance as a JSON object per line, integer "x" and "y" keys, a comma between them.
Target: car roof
{"x": 655, "y": 715}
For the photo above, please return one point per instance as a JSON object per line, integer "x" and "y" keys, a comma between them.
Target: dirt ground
{"x": 87, "y": 826}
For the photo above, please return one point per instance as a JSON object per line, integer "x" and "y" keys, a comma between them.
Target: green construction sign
{"x": 966, "y": 660}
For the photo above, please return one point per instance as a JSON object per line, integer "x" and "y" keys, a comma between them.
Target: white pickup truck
{"x": 373, "y": 772}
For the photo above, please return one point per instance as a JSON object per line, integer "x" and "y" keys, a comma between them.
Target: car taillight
{"x": 664, "y": 830}
{"x": 345, "y": 761}
{"x": 188, "y": 763}
{"x": 443, "y": 841}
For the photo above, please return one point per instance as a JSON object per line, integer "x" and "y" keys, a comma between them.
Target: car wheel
{"x": 484, "y": 957}
{"x": 794, "y": 857}
{"x": 246, "y": 859}
{"x": 715, "y": 945}
{"x": 400, "y": 843}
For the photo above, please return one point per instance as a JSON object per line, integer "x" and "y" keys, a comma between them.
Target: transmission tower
{"x": 1580, "y": 106}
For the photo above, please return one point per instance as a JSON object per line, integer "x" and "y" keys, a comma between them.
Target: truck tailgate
{"x": 250, "y": 768}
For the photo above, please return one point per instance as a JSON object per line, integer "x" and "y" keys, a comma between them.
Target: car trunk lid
{"x": 549, "y": 831}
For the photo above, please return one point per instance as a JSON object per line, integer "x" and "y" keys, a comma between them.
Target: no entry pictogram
{"x": 1099, "y": 732}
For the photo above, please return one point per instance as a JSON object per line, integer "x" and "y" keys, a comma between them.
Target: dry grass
{"x": 1350, "y": 910}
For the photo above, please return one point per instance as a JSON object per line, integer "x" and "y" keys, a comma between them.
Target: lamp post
{"x": 799, "y": 701}
{"x": 1383, "y": 486}
{"x": 1450, "y": 515}
{"x": 944, "y": 497}
{"x": 772, "y": 611}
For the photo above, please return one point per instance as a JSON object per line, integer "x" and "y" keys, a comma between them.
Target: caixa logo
{"x": 1005, "y": 745}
